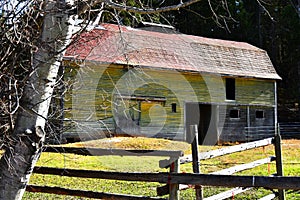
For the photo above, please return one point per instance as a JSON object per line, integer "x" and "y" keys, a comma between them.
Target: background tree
{"x": 281, "y": 37}
{"x": 271, "y": 25}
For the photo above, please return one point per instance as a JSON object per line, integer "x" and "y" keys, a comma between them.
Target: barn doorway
{"x": 206, "y": 117}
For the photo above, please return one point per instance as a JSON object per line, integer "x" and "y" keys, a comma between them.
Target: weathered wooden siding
{"x": 236, "y": 129}
{"x": 103, "y": 96}
{"x": 254, "y": 91}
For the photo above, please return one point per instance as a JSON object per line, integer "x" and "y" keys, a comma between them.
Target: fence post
{"x": 174, "y": 188}
{"x": 196, "y": 162}
{"x": 279, "y": 167}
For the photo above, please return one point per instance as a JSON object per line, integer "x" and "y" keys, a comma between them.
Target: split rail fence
{"x": 174, "y": 180}
{"x": 289, "y": 130}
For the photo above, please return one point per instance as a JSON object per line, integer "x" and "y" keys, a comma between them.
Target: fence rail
{"x": 289, "y": 130}
{"x": 258, "y": 133}
{"x": 274, "y": 182}
{"x": 104, "y": 152}
{"x": 228, "y": 193}
{"x": 227, "y": 150}
{"x": 88, "y": 194}
{"x": 244, "y": 167}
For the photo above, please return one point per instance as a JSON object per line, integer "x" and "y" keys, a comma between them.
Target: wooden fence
{"x": 289, "y": 130}
{"x": 176, "y": 181}
{"x": 258, "y": 133}
{"x": 196, "y": 157}
{"x": 144, "y": 177}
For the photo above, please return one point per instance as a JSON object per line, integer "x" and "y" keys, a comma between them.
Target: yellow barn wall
{"x": 95, "y": 89}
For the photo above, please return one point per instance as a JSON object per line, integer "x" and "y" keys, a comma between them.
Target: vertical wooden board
{"x": 174, "y": 188}
{"x": 279, "y": 163}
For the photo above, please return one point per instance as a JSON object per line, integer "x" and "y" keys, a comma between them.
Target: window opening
{"x": 234, "y": 113}
{"x": 259, "y": 114}
{"x": 230, "y": 88}
{"x": 174, "y": 107}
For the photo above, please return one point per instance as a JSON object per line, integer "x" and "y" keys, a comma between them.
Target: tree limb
{"x": 84, "y": 5}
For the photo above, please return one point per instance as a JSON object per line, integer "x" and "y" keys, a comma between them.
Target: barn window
{"x": 174, "y": 107}
{"x": 234, "y": 113}
{"x": 230, "y": 88}
{"x": 259, "y": 114}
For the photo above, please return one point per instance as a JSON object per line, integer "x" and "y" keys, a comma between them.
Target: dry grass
{"x": 134, "y": 143}
{"x": 290, "y": 151}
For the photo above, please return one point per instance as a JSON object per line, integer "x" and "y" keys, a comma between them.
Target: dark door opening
{"x": 205, "y": 119}
{"x": 205, "y": 116}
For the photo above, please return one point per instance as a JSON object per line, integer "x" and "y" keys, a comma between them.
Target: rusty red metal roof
{"x": 124, "y": 45}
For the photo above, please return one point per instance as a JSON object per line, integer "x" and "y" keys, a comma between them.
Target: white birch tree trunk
{"x": 27, "y": 140}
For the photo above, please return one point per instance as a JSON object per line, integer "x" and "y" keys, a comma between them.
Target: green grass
{"x": 291, "y": 152}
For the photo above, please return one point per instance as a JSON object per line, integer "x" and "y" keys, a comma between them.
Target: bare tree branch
{"x": 85, "y": 5}
{"x": 126, "y": 8}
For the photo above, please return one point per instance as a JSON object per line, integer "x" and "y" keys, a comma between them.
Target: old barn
{"x": 155, "y": 83}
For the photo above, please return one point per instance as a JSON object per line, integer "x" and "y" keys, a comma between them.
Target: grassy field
{"x": 291, "y": 152}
